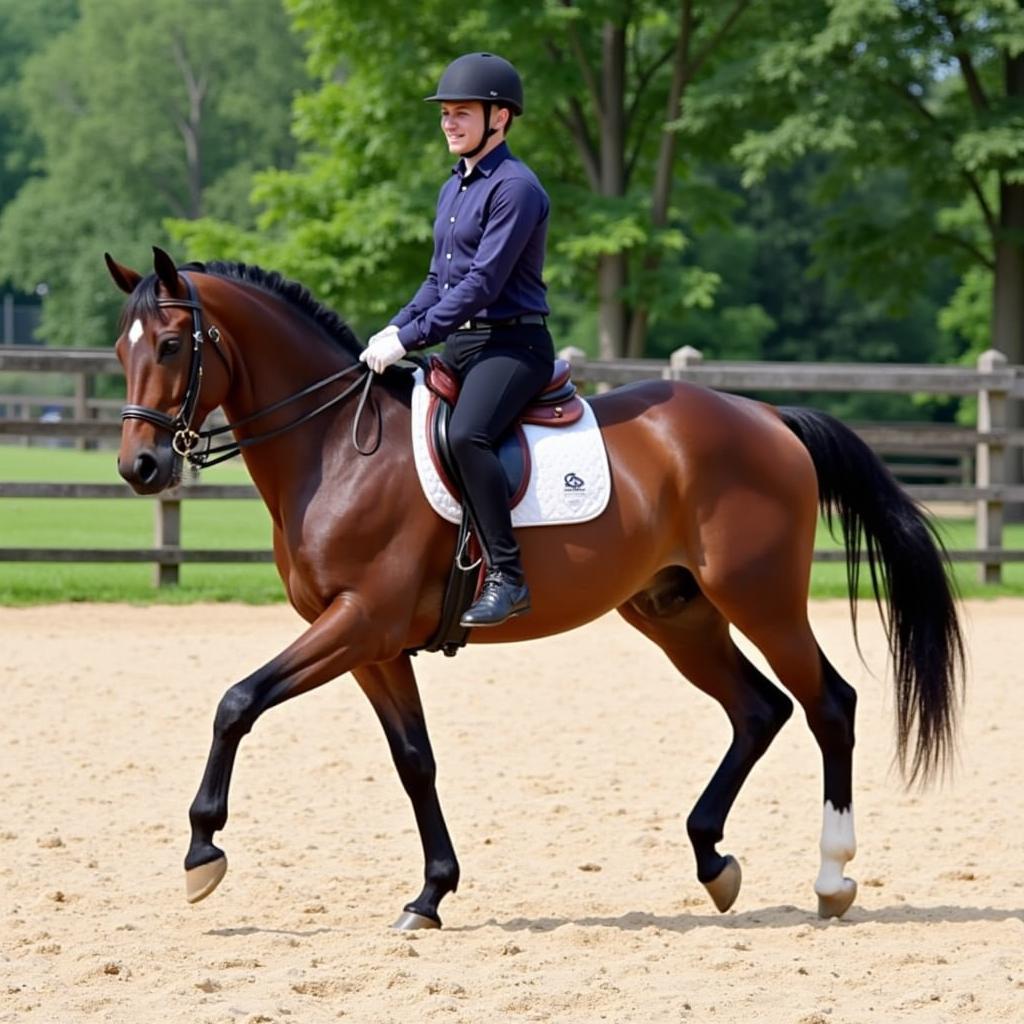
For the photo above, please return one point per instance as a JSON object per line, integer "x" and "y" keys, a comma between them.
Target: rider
{"x": 485, "y": 298}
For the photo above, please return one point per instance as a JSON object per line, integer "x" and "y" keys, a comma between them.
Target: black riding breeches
{"x": 501, "y": 370}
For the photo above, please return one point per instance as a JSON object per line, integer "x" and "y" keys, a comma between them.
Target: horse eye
{"x": 168, "y": 347}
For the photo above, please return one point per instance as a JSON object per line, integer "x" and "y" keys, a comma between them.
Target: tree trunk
{"x": 1008, "y": 317}
{"x": 1008, "y": 285}
{"x": 661, "y": 194}
{"x": 611, "y": 308}
{"x": 612, "y": 268}
{"x": 191, "y": 128}
{"x": 685, "y": 67}
{"x": 1008, "y": 288}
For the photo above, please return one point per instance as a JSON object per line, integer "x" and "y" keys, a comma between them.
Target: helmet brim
{"x": 501, "y": 101}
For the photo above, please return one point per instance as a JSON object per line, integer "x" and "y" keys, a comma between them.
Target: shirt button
{"x": 447, "y": 255}
{"x": 446, "y": 287}
{"x": 463, "y": 189}
{"x": 451, "y": 220}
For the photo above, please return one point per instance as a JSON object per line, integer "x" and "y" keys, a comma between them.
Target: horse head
{"x": 171, "y": 388}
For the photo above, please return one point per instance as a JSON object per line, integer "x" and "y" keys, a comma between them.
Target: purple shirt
{"x": 488, "y": 261}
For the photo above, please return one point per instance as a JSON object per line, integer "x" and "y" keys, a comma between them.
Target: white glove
{"x": 383, "y": 349}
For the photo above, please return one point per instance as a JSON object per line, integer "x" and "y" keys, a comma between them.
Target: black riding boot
{"x": 502, "y": 597}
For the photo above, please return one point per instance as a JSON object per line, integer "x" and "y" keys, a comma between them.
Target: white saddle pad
{"x": 569, "y": 481}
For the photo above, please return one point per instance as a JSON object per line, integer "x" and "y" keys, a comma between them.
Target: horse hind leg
{"x": 829, "y": 704}
{"x": 830, "y": 714}
{"x": 694, "y": 635}
{"x": 756, "y": 572}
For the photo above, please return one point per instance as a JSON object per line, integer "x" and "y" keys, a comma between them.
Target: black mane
{"x": 142, "y": 303}
{"x": 294, "y": 293}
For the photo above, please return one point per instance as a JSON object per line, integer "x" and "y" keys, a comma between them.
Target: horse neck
{"x": 277, "y": 352}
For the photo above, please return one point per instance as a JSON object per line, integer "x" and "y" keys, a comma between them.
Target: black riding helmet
{"x": 481, "y": 76}
{"x": 485, "y": 77}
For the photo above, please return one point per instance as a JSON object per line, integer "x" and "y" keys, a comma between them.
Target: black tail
{"x": 909, "y": 569}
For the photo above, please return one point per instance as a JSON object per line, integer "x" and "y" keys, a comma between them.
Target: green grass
{"x": 70, "y": 523}
{"x": 245, "y": 524}
{"x": 829, "y": 579}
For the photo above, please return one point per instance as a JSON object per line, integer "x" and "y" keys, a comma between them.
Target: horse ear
{"x": 124, "y": 277}
{"x": 166, "y": 271}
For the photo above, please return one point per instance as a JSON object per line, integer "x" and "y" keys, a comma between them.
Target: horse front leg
{"x": 391, "y": 689}
{"x": 336, "y": 642}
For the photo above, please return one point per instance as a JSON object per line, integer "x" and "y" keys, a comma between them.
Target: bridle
{"x": 185, "y": 439}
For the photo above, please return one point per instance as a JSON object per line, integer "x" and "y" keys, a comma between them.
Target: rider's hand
{"x": 383, "y": 349}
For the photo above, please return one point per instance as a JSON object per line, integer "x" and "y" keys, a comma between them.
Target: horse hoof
{"x": 201, "y": 881}
{"x": 726, "y": 887}
{"x": 838, "y": 903}
{"x": 410, "y": 921}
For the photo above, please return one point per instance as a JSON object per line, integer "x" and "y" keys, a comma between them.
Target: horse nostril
{"x": 145, "y": 468}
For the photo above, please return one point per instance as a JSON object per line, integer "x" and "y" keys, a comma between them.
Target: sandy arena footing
{"x": 566, "y": 769}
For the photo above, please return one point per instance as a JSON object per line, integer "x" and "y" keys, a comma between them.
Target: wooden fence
{"x": 167, "y": 554}
{"x": 983, "y": 447}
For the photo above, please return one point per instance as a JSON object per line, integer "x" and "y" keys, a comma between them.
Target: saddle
{"x": 557, "y": 405}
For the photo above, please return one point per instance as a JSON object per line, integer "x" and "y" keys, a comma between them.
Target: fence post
{"x": 167, "y": 535}
{"x": 573, "y": 356}
{"x": 83, "y": 392}
{"x": 20, "y": 412}
{"x": 680, "y": 359}
{"x": 990, "y": 466}
{"x": 8, "y": 336}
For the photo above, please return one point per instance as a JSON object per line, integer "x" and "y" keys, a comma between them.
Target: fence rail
{"x": 167, "y": 556}
{"x": 992, "y": 374}
{"x": 976, "y": 474}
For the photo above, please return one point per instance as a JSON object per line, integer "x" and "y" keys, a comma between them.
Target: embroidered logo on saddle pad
{"x": 561, "y": 477}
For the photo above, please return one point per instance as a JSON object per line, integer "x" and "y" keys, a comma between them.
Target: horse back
{"x": 666, "y": 419}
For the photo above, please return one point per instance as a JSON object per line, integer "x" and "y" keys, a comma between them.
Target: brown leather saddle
{"x": 557, "y": 405}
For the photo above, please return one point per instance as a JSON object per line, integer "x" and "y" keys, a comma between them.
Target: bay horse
{"x": 711, "y": 522}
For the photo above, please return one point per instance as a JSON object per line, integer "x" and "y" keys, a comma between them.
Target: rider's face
{"x": 463, "y": 125}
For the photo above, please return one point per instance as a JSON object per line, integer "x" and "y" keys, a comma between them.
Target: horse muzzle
{"x": 150, "y": 470}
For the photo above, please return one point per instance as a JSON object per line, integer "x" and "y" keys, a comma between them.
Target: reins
{"x": 224, "y": 452}
{"x": 185, "y": 440}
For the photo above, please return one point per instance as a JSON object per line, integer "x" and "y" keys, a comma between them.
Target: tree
{"x": 603, "y": 92}
{"x": 140, "y": 118}
{"x": 25, "y": 26}
{"x": 633, "y": 64}
{"x": 932, "y": 90}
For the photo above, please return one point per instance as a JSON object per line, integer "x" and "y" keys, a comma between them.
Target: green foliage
{"x": 778, "y": 300}
{"x": 139, "y": 116}
{"x": 912, "y": 89}
{"x": 353, "y": 218}
{"x": 847, "y": 255}
{"x": 25, "y": 27}
{"x": 728, "y": 272}
{"x": 967, "y": 313}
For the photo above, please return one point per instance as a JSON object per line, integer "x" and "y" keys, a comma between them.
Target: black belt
{"x": 512, "y": 321}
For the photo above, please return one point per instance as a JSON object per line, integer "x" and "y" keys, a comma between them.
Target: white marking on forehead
{"x": 135, "y": 332}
